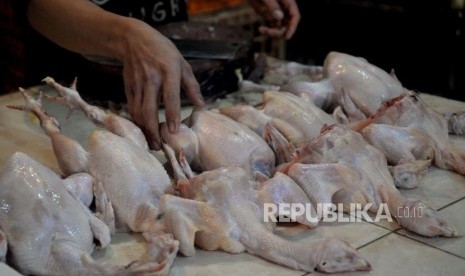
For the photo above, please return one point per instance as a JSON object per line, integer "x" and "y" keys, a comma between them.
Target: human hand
{"x": 154, "y": 69}
{"x": 281, "y": 17}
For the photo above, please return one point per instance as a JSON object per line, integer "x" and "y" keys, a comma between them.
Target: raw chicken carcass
{"x": 128, "y": 180}
{"x": 122, "y": 167}
{"x": 361, "y": 88}
{"x": 299, "y": 120}
{"x": 221, "y": 211}
{"x": 209, "y": 140}
{"x": 339, "y": 166}
{"x": 284, "y": 114}
{"x": 419, "y": 134}
{"x": 48, "y": 231}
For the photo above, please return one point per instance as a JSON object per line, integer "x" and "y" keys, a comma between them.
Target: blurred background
{"x": 423, "y": 41}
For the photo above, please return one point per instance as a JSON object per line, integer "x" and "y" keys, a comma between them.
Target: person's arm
{"x": 153, "y": 67}
{"x": 281, "y": 17}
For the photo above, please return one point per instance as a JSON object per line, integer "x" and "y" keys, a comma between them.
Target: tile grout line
{"x": 452, "y": 203}
{"x": 385, "y": 227}
{"x": 377, "y": 239}
{"x": 429, "y": 245}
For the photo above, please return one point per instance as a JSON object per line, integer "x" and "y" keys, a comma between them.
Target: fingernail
{"x": 173, "y": 127}
{"x": 278, "y": 15}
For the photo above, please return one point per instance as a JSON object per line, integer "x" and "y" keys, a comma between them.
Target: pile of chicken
{"x": 226, "y": 165}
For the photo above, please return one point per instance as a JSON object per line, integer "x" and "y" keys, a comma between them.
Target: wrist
{"x": 118, "y": 40}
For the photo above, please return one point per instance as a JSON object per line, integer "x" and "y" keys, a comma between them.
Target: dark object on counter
{"x": 213, "y": 49}
{"x": 216, "y": 74}
{"x": 216, "y": 77}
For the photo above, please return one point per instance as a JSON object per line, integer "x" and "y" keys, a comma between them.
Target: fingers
{"x": 282, "y": 17}
{"x": 191, "y": 86}
{"x": 274, "y": 9}
{"x": 293, "y": 15}
{"x": 171, "y": 90}
{"x": 133, "y": 93}
{"x": 151, "y": 99}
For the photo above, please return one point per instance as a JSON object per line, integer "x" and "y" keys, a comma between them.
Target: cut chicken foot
{"x": 222, "y": 211}
{"x": 112, "y": 122}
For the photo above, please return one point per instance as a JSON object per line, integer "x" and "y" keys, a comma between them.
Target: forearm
{"x": 79, "y": 26}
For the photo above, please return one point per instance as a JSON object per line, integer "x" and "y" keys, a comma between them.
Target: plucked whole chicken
{"x": 220, "y": 209}
{"x": 48, "y": 231}
{"x": 127, "y": 182}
